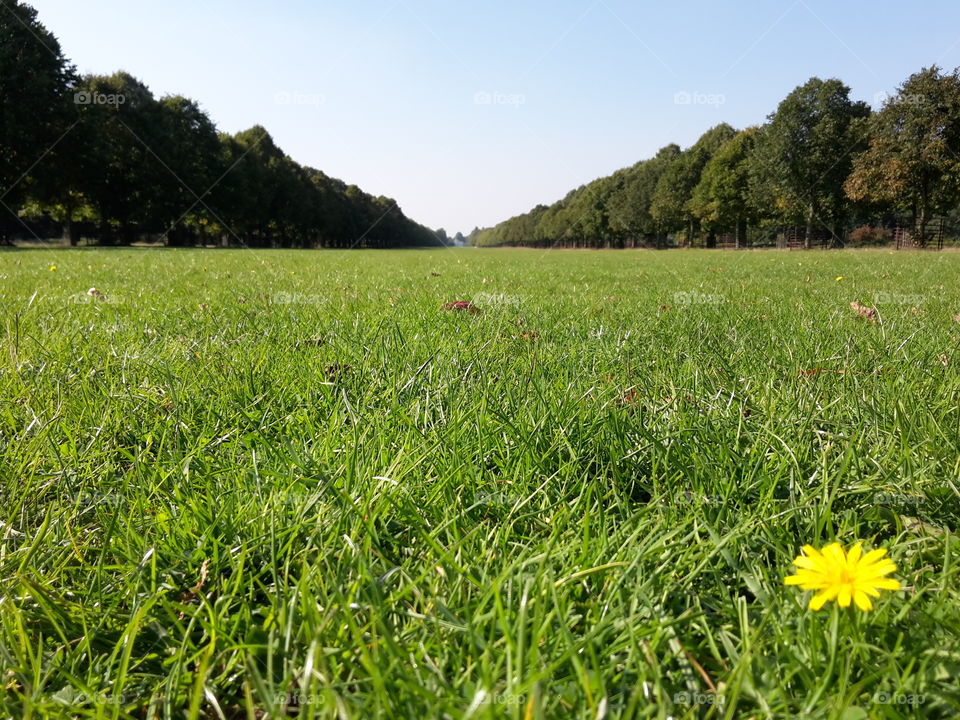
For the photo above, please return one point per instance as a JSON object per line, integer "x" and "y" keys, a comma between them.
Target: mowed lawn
{"x": 249, "y": 484}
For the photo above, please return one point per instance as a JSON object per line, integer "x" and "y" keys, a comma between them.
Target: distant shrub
{"x": 866, "y": 235}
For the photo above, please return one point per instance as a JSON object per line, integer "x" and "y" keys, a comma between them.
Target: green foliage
{"x": 35, "y": 82}
{"x": 804, "y": 154}
{"x": 670, "y": 206}
{"x": 630, "y": 206}
{"x": 103, "y": 156}
{"x": 722, "y": 200}
{"x": 790, "y": 170}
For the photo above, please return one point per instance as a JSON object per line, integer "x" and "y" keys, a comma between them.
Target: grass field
{"x": 248, "y": 484}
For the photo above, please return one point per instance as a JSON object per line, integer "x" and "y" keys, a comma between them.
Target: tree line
{"x": 100, "y": 158}
{"x": 821, "y": 165}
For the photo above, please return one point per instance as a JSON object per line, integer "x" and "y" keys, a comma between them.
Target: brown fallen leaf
{"x": 867, "y": 313}
{"x": 630, "y": 398}
{"x": 461, "y": 305}
{"x": 336, "y": 371}
{"x": 944, "y": 360}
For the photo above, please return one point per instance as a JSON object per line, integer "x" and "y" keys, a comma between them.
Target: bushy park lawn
{"x": 248, "y": 484}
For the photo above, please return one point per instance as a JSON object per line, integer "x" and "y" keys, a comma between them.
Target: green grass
{"x": 579, "y": 503}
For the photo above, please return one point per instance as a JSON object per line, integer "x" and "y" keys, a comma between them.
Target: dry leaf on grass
{"x": 867, "y": 313}
{"x": 336, "y": 371}
{"x": 461, "y": 305}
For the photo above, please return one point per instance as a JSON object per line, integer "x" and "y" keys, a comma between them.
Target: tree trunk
{"x": 740, "y": 236}
{"x": 808, "y": 235}
{"x": 70, "y": 235}
{"x": 922, "y": 226}
{"x": 838, "y": 235}
{"x": 106, "y": 234}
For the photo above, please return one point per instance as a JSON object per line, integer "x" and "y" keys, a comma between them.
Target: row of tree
{"x": 104, "y": 159}
{"x": 821, "y": 164}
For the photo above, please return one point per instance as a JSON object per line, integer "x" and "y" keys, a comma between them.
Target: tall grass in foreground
{"x": 287, "y": 484}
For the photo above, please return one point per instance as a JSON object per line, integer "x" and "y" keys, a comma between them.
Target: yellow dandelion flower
{"x": 839, "y": 278}
{"x": 53, "y": 268}
{"x": 843, "y": 576}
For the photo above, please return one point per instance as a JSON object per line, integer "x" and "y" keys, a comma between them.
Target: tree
{"x": 125, "y": 180}
{"x": 804, "y": 153}
{"x": 629, "y": 206}
{"x": 670, "y": 205}
{"x": 188, "y": 146}
{"x": 913, "y": 158}
{"x": 35, "y": 86}
{"x": 721, "y": 201}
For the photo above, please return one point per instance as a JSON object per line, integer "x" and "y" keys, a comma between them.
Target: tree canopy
{"x": 913, "y": 158}
{"x": 112, "y": 163}
{"x": 820, "y": 163}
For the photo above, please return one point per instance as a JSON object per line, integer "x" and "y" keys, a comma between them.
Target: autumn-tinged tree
{"x": 804, "y": 154}
{"x": 913, "y": 159}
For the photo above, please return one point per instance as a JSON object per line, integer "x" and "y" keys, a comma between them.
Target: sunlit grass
{"x": 240, "y": 479}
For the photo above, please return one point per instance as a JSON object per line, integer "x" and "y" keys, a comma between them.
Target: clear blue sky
{"x": 468, "y": 113}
